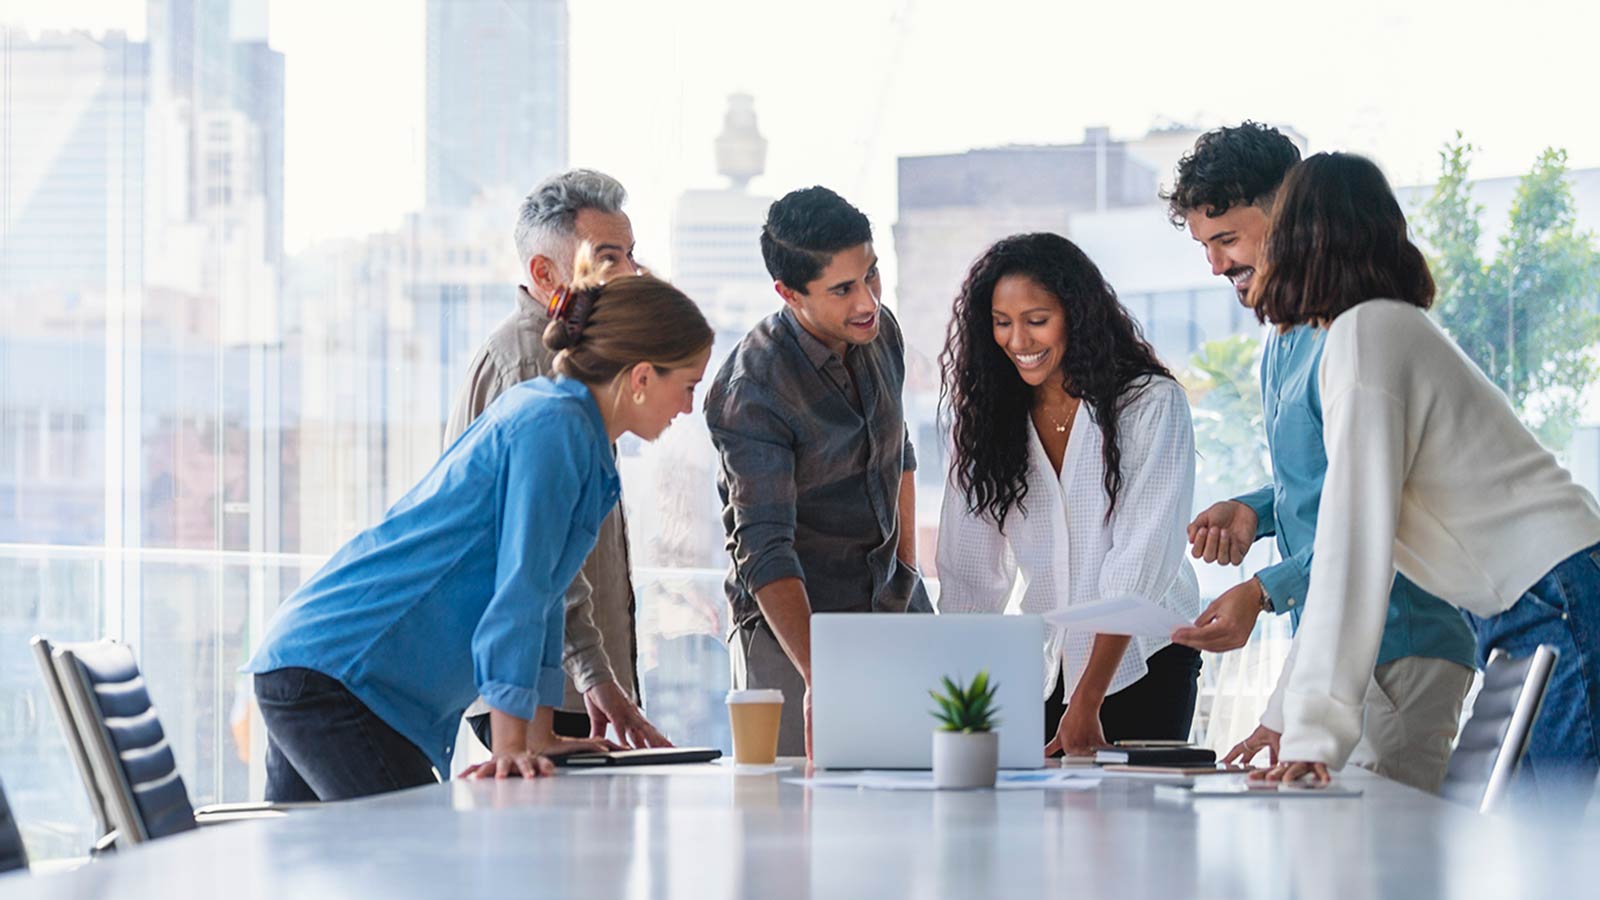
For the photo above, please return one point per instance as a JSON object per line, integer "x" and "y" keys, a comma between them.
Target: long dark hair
{"x": 987, "y": 400}
{"x": 1337, "y": 237}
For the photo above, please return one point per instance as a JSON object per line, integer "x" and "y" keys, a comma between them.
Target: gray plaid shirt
{"x": 810, "y": 468}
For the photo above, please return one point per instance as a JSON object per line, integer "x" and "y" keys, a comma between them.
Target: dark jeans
{"x": 324, "y": 744}
{"x": 1159, "y": 706}
{"x": 1563, "y": 610}
{"x": 567, "y": 724}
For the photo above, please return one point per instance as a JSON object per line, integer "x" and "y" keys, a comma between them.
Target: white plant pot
{"x": 965, "y": 760}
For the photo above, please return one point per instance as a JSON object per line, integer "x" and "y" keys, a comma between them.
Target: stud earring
{"x": 638, "y": 399}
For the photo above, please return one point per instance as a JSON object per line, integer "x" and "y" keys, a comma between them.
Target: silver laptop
{"x": 870, "y": 677}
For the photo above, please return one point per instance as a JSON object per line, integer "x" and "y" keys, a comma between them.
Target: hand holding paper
{"x": 1118, "y": 615}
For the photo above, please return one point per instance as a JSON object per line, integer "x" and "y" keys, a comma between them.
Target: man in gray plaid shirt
{"x": 816, "y": 473}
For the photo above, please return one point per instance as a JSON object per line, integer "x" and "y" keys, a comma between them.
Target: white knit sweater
{"x": 1430, "y": 473}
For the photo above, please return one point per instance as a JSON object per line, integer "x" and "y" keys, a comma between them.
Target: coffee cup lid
{"x": 768, "y": 695}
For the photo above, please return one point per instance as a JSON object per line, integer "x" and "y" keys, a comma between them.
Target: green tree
{"x": 1528, "y": 316}
{"x": 1229, "y": 434}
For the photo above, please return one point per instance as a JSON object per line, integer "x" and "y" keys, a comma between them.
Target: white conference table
{"x": 704, "y": 832}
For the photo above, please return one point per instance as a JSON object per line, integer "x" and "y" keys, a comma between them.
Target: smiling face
{"x": 840, "y": 306}
{"x": 666, "y": 395}
{"x": 1232, "y": 242}
{"x": 1031, "y": 327}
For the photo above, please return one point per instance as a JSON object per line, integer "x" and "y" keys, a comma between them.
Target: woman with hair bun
{"x": 1073, "y": 469}
{"x": 365, "y": 672}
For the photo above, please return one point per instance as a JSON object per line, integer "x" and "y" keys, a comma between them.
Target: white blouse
{"x": 1063, "y": 549}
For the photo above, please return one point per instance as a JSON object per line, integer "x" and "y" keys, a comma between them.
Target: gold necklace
{"x": 1060, "y": 426}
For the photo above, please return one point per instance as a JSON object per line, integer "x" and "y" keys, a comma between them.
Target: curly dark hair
{"x": 1235, "y": 166}
{"x": 1107, "y": 363}
{"x": 804, "y": 229}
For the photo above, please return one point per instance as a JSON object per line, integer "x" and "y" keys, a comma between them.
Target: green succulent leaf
{"x": 966, "y": 708}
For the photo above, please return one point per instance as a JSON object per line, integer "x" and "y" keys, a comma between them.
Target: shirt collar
{"x": 815, "y": 350}
{"x": 572, "y": 387}
{"x": 530, "y": 305}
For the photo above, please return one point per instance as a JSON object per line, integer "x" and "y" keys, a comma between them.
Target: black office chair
{"x": 1494, "y": 738}
{"x": 133, "y": 777}
{"x": 105, "y": 837}
{"x": 13, "y": 855}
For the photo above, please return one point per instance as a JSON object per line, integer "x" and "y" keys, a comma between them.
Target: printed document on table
{"x": 898, "y": 780}
{"x": 1118, "y": 615}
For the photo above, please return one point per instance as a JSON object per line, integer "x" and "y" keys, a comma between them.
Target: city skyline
{"x": 645, "y": 96}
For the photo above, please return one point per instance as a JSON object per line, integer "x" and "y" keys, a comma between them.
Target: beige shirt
{"x": 600, "y": 643}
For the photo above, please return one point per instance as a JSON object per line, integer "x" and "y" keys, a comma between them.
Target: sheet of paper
{"x": 1118, "y": 615}
{"x": 923, "y": 781}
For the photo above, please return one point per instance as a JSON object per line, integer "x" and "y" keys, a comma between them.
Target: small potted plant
{"x": 966, "y": 751}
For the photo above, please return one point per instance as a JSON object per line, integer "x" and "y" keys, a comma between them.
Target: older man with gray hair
{"x": 577, "y": 207}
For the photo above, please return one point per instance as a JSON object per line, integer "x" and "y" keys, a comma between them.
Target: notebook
{"x": 656, "y": 756}
{"x": 1156, "y": 756}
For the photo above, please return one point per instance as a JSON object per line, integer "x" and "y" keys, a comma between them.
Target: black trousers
{"x": 1159, "y": 706}
{"x": 567, "y": 724}
{"x": 325, "y": 744}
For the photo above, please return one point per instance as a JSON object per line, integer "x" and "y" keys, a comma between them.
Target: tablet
{"x": 655, "y": 756}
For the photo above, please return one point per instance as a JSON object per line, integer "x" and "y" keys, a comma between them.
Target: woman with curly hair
{"x": 1073, "y": 469}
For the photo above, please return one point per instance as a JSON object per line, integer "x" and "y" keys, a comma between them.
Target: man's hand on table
{"x": 608, "y": 705}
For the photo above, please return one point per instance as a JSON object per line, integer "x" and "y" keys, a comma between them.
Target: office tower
{"x": 258, "y": 93}
{"x": 716, "y": 251}
{"x": 497, "y": 95}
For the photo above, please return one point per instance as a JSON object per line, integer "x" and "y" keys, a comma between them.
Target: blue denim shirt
{"x": 460, "y": 590}
{"x": 1419, "y": 624}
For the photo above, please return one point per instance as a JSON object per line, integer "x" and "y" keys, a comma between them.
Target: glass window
{"x": 242, "y": 275}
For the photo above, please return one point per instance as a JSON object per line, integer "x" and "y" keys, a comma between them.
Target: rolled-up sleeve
{"x": 516, "y": 648}
{"x": 755, "y": 449}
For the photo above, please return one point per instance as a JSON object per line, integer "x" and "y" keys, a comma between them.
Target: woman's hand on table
{"x": 1305, "y": 774}
{"x": 520, "y": 764}
{"x": 1263, "y": 738}
{"x": 1079, "y": 732}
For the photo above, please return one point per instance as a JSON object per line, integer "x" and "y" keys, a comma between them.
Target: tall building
{"x": 71, "y": 249}
{"x": 73, "y": 193}
{"x": 497, "y": 97}
{"x": 716, "y": 250}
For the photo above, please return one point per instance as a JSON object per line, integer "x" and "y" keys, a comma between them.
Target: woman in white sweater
{"x": 1073, "y": 469}
{"x": 1430, "y": 473}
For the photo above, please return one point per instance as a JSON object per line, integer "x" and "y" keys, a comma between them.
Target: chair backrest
{"x": 1494, "y": 737}
{"x": 126, "y": 745}
{"x": 69, "y": 731}
{"x": 12, "y": 854}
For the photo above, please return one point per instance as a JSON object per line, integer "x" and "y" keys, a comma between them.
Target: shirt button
{"x": 1291, "y": 601}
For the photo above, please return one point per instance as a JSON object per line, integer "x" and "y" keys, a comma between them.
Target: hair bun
{"x": 557, "y": 336}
